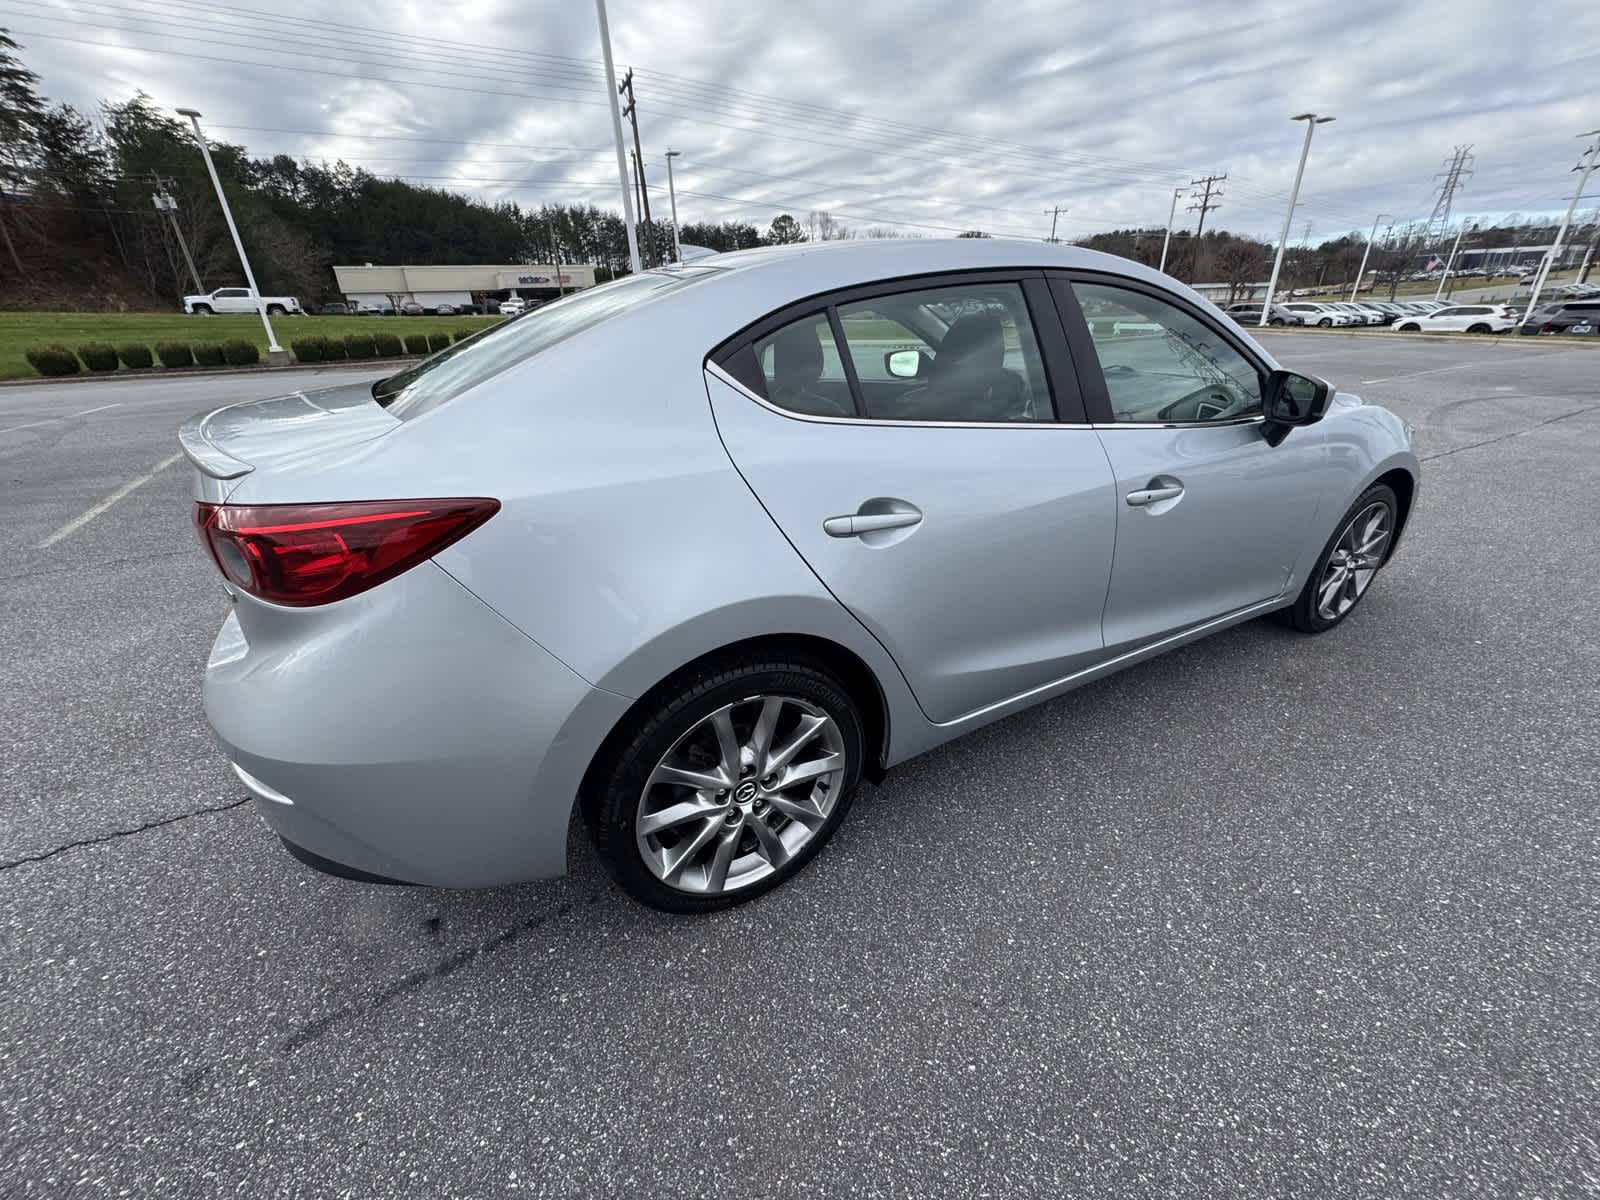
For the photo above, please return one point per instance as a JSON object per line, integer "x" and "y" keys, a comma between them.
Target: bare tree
{"x": 827, "y": 228}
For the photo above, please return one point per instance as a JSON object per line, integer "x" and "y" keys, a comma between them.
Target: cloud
{"x": 945, "y": 115}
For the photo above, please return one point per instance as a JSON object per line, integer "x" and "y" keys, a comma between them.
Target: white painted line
{"x": 1435, "y": 371}
{"x": 83, "y": 519}
{"x": 68, "y": 417}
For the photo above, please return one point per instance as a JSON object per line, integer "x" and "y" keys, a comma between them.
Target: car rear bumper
{"x": 408, "y": 733}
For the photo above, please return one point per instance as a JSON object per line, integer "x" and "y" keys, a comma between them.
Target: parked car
{"x": 1362, "y": 314}
{"x": 1377, "y": 314}
{"x": 752, "y": 565}
{"x": 410, "y": 308}
{"x": 1566, "y": 316}
{"x": 1250, "y": 314}
{"x": 238, "y": 300}
{"x": 336, "y": 308}
{"x": 445, "y": 310}
{"x": 1312, "y": 313}
{"x": 514, "y": 307}
{"x": 1462, "y": 318}
{"x": 370, "y": 308}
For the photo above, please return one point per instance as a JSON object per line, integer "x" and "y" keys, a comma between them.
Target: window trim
{"x": 1062, "y": 380}
{"x": 1091, "y": 380}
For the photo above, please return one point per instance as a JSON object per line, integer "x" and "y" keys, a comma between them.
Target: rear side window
{"x": 469, "y": 362}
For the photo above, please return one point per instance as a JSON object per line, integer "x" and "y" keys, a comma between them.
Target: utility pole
{"x": 162, "y": 197}
{"x": 1361, "y": 273}
{"x": 276, "y": 354}
{"x": 616, "y": 132}
{"x": 1204, "y": 206}
{"x": 1312, "y": 121}
{"x": 631, "y": 111}
{"x": 672, "y": 197}
{"x": 1585, "y": 167}
{"x": 1054, "y": 213}
{"x": 555, "y": 258}
{"x": 1167, "y": 241}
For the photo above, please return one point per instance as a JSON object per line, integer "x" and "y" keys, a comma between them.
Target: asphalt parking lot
{"x": 1270, "y": 916}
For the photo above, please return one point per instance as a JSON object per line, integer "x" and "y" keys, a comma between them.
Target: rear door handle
{"x": 1153, "y": 495}
{"x": 858, "y": 523}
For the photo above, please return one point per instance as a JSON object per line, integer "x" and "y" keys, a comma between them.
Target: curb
{"x": 209, "y": 373}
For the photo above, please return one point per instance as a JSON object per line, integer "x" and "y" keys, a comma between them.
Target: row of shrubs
{"x": 236, "y": 352}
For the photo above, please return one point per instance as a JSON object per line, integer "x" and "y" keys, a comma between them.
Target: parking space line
{"x": 84, "y": 518}
{"x": 1434, "y": 371}
{"x": 68, "y": 417}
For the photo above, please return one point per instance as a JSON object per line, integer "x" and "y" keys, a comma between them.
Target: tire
{"x": 676, "y": 731}
{"x": 1325, "y": 323}
{"x": 1480, "y": 327}
{"x": 202, "y": 310}
{"x": 1275, "y": 321}
{"x": 1410, "y": 327}
{"x": 1308, "y": 614}
{"x": 276, "y": 310}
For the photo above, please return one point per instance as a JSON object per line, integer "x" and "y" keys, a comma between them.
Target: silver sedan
{"x": 695, "y": 551}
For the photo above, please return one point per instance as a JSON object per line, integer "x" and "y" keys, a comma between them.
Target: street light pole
{"x": 1585, "y": 167}
{"x": 1371, "y": 237}
{"x": 672, "y": 197}
{"x": 1167, "y": 241}
{"x": 1312, "y": 121}
{"x": 275, "y": 353}
{"x": 616, "y": 131}
{"x": 1451, "y": 261}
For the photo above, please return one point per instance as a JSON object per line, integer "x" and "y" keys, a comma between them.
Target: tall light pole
{"x": 1167, "y": 241}
{"x": 1585, "y": 167}
{"x": 276, "y": 354}
{"x": 1312, "y": 121}
{"x": 672, "y": 197}
{"x": 616, "y": 132}
{"x": 1371, "y": 237}
{"x": 1451, "y": 261}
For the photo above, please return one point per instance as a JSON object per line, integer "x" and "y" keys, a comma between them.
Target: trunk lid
{"x": 230, "y": 442}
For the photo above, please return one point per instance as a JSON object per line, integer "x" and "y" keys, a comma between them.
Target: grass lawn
{"x": 20, "y": 332}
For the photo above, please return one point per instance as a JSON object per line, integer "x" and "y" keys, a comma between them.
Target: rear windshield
{"x": 469, "y": 362}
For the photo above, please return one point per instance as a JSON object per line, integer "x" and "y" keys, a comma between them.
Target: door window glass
{"x": 961, "y": 353}
{"x": 1162, "y": 365}
{"x": 798, "y": 368}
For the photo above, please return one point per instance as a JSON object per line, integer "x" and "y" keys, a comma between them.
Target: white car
{"x": 513, "y": 307}
{"x": 1325, "y": 315}
{"x": 238, "y": 300}
{"x": 1462, "y": 318}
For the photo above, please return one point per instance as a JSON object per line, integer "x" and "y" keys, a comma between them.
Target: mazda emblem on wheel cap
{"x": 745, "y": 792}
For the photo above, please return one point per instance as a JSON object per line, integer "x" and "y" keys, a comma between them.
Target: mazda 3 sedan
{"x": 693, "y": 552}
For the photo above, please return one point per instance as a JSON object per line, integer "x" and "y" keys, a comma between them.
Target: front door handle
{"x": 1153, "y": 495}
{"x": 858, "y": 523}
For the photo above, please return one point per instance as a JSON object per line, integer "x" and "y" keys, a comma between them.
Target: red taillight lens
{"x": 306, "y": 554}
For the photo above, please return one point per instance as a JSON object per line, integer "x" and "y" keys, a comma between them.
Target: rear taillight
{"x": 306, "y": 554}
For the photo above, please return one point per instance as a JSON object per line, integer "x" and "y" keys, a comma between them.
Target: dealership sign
{"x": 547, "y": 278}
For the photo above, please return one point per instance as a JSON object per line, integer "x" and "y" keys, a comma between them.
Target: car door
{"x": 233, "y": 300}
{"x": 906, "y": 441}
{"x": 1210, "y": 518}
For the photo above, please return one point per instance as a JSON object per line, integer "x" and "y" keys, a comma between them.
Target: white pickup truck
{"x": 238, "y": 300}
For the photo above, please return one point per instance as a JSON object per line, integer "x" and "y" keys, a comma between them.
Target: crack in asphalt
{"x": 1577, "y": 412}
{"x": 119, "y": 833}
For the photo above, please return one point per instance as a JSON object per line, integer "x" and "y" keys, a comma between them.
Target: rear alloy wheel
{"x": 1480, "y": 327}
{"x": 1325, "y": 322}
{"x": 1349, "y": 562}
{"x": 729, "y": 786}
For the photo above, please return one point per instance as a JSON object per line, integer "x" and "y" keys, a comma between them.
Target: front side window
{"x": 469, "y": 362}
{"x": 1162, "y": 365}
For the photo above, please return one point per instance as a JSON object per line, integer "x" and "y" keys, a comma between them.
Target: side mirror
{"x": 1292, "y": 400}
{"x": 906, "y": 364}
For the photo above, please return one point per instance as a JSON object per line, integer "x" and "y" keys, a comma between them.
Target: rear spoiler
{"x": 207, "y": 457}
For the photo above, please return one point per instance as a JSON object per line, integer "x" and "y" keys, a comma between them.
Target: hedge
{"x": 416, "y": 343}
{"x": 359, "y": 345}
{"x": 308, "y": 349}
{"x": 53, "y": 360}
{"x": 240, "y": 353}
{"x": 463, "y": 334}
{"x": 175, "y": 354}
{"x": 388, "y": 344}
{"x": 208, "y": 354}
{"x": 135, "y": 354}
{"x": 333, "y": 349}
{"x": 438, "y": 341}
{"x": 98, "y": 356}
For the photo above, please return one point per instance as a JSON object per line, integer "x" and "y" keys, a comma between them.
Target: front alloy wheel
{"x": 1349, "y": 562}
{"x": 726, "y": 783}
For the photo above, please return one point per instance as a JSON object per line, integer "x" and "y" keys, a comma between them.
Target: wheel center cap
{"x": 745, "y": 792}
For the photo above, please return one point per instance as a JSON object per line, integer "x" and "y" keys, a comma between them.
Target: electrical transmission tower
{"x": 1453, "y": 178}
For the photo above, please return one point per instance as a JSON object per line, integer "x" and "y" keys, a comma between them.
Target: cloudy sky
{"x": 939, "y": 116}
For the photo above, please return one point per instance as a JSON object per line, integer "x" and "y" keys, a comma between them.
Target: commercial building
{"x": 460, "y": 286}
